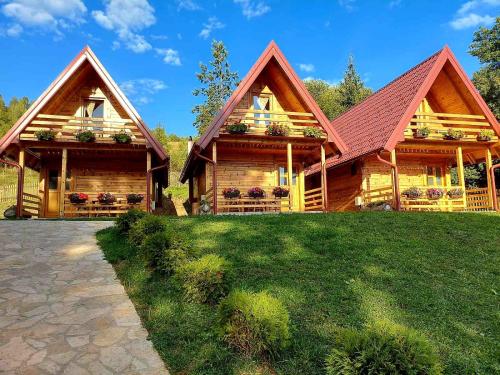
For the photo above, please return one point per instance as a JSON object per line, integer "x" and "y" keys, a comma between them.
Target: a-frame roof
{"x": 378, "y": 122}
{"x": 271, "y": 51}
{"x": 85, "y": 55}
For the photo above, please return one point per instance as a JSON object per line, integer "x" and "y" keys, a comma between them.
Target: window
{"x": 283, "y": 176}
{"x": 262, "y": 103}
{"x": 93, "y": 108}
{"x": 53, "y": 177}
{"x": 434, "y": 176}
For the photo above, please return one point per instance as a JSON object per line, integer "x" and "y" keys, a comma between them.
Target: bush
{"x": 254, "y": 323}
{"x": 164, "y": 252}
{"x": 125, "y": 221}
{"x": 149, "y": 224}
{"x": 380, "y": 352}
{"x": 204, "y": 280}
{"x": 278, "y": 130}
{"x": 312, "y": 132}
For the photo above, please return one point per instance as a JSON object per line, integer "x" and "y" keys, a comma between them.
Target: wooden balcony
{"x": 439, "y": 123}
{"x": 66, "y": 128}
{"x": 257, "y": 121}
{"x": 93, "y": 208}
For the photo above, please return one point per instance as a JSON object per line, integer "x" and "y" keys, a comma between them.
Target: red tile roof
{"x": 378, "y": 122}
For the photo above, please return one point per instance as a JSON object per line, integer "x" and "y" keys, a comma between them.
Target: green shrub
{"x": 312, "y": 132}
{"x": 205, "y": 280}
{"x": 149, "y": 224}
{"x": 164, "y": 251}
{"x": 254, "y": 323}
{"x": 382, "y": 352}
{"x": 125, "y": 221}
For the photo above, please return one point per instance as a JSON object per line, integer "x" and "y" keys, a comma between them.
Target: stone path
{"x": 62, "y": 310}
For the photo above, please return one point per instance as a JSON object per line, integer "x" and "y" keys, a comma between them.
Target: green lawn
{"x": 436, "y": 273}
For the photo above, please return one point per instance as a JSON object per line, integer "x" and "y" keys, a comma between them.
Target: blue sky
{"x": 152, "y": 48}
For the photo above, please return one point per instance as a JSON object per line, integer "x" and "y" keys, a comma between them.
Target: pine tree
{"x": 352, "y": 89}
{"x": 218, "y": 82}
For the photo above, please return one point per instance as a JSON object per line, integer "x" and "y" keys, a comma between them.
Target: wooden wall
{"x": 343, "y": 185}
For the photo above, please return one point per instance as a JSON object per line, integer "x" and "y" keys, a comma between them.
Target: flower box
{"x": 231, "y": 192}
{"x": 106, "y": 198}
{"x": 421, "y": 133}
{"x": 256, "y": 192}
{"x": 434, "y": 193}
{"x": 122, "y": 137}
{"x": 280, "y": 192}
{"x": 78, "y": 198}
{"x": 454, "y": 135}
{"x": 237, "y": 128}
{"x": 485, "y": 136}
{"x": 455, "y": 193}
{"x": 278, "y": 130}
{"x": 45, "y": 135}
{"x": 312, "y": 132}
{"x": 134, "y": 198}
{"x": 85, "y": 136}
{"x": 412, "y": 193}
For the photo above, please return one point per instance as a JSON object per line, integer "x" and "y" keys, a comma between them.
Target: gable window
{"x": 93, "y": 108}
{"x": 434, "y": 176}
{"x": 262, "y": 103}
{"x": 283, "y": 176}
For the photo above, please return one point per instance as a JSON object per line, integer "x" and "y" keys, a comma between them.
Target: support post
{"x": 20, "y": 188}
{"x": 323, "y": 179}
{"x": 302, "y": 188}
{"x": 461, "y": 174}
{"x": 62, "y": 188}
{"x": 289, "y": 168}
{"x": 489, "y": 164}
{"x": 214, "y": 176}
{"x": 149, "y": 182}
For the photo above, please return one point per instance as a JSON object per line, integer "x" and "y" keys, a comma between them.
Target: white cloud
{"x": 48, "y": 15}
{"x": 141, "y": 90}
{"x": 308, "y": 68}
{"x": 169, "y": 56}
{"x": 394, "y": 3}
{"x": 126, "y": 18}
{"x": 473, "y": 13}
{"x": 347, "y": 4}
{"x": 188, "y": 5}
{"x": 471, "y": 20}
{"x": 212, "y": 24}
{"x": 252, "y": 8}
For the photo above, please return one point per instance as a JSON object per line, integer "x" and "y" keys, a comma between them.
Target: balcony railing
{"x": 257, "y": 121}
{"x": 439, "y": 123}
{"x": 313, "y": 200}
{"x": 66, "y": 128}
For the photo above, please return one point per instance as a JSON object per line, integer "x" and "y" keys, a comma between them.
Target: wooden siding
{"x": 344, "y": 185}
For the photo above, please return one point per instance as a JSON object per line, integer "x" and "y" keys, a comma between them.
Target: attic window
{"x": 93, "y": 109}
{"x": 262, "y": 103}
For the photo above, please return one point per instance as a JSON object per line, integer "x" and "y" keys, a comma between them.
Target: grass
{"x": 436, "y": 273}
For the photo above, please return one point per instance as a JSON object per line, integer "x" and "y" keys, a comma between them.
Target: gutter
{"x": 148, "y": 183}
{"x": 494, "y": 187}
{"x": 20, "y": 179}
{"x": 396, "y": 180}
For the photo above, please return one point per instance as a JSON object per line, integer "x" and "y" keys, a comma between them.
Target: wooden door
{"x": 52, "y": 189}
{"x": 295, "y": 186}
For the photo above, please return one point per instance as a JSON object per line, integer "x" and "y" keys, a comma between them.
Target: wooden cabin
{"x": 124, "y": 158}
{"x": 404, "y": 141}
{"x": 264, "y": 137}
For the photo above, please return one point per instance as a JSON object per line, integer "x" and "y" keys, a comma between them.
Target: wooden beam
{"x": 393, "y": 175}
{"x": 20, "y": 188}
{"x": 149, "y": 176}
{"x": 214, "y": 176}
{"x": 302, "y": 188}
{"x": 489, "y": 164}
{"x": 460, "y": 173}
{"x": 289, "y": 168}
{"x": 323, "y": 178}
{"x": 62, "y": 187}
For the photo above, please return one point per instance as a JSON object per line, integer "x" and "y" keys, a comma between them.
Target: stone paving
{"x": 62, "y": 309}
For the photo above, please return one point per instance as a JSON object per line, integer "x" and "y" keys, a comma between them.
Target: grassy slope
{"x": 437, "y": 273}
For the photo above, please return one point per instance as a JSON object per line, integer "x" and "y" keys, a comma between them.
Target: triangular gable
{"x": 85, "y": 55}
{"x": 446, "y": 55}
{"x": 379, "y": 121}
{"x": 272, "y": 51}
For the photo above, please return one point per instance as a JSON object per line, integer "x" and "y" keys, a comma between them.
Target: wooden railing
{"x": 247, "y": 204}
{"x": 92, "y": 207}
{"x": 32, "y": 205}
{"x": 8, "y": 193}
{"x": 478, "y": 199}
{"x": 257, "y": 121}
{"x": 313, "y": 200}
{"x": 66, "y": 128}
{"x": 439, "y": 123}
{"x": 382, "y": 194}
